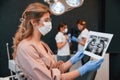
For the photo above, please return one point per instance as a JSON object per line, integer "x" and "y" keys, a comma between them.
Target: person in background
{"x": 34, "y": 57}
{"x": 81, "y": 40}
{"x": 62, "y": 41}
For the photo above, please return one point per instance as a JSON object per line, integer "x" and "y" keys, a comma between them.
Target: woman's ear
{"x": 33, "y": 22}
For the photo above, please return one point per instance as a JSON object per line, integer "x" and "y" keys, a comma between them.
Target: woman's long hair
{"x": 33, "y": 11}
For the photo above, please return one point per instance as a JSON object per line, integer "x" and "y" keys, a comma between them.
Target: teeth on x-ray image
{"x": 97, "y": 44}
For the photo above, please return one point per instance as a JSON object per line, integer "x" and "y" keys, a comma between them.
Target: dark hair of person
{"x": 61, "y": 25}
{"x": 82, "y": 22}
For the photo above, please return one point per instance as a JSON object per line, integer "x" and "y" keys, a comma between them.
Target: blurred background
{"x": 101, "y": 15}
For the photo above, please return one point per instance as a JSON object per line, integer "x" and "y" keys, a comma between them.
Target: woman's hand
{"x": 78, "y": 56}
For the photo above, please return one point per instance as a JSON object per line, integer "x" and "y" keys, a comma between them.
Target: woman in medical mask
{"x": 63, "y": 49}
{"x": 34, "y": 57}
{"x": 81, "y": 39}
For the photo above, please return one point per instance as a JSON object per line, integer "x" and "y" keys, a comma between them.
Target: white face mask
{"x": 66, "y": 30}
{"x": 47, "y": 26}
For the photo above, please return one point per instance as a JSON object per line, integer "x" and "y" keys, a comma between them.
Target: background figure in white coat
{"x": 81, "y": 24}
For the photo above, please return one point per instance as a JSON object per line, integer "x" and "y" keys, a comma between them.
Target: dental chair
{"x": 16, "y": 73}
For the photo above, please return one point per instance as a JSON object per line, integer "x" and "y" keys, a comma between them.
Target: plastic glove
{"x": 74, "y": 39}
{"x": 78, "y": 56}
{"x": 90, "y": 66}
{"x": 69, "y": 35}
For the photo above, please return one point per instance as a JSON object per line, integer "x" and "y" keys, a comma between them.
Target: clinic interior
{"x": 100, "y": 15}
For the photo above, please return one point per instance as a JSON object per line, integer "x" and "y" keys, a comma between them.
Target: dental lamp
{"x": 58, "y": 7}
{"x": 74, "y": 3}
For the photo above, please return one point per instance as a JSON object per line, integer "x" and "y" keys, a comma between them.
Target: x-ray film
{"x": 97, "y": 44}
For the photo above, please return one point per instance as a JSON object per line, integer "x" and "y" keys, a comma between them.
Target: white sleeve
{"x": 85, "y": 34}
{"x": 58, "y": 38}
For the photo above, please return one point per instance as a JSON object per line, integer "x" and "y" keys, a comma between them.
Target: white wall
{"x": 103, "y": 72}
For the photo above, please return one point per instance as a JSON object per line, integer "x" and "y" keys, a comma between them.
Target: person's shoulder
{"x": 86, "y": 29}
{"x": 59, "y": 34}
{"x": 24, "y": 43}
